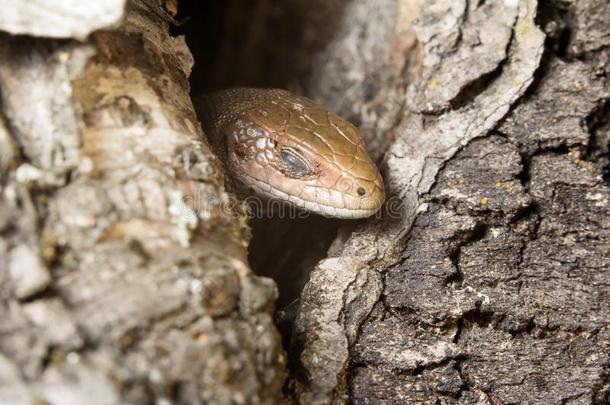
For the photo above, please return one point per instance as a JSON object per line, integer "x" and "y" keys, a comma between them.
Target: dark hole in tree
{"x": 265, "y": 43}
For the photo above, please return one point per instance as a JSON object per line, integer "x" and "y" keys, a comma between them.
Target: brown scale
{"x": 286, "y": 146}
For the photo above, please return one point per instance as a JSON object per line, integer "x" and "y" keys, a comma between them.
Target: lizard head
{"x": 291, "y": 149}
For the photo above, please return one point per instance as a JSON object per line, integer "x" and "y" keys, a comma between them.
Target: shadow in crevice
{"x": 286, "y": 249}
{"x": 266, "y": 43}
{"x": 258, "y": 43}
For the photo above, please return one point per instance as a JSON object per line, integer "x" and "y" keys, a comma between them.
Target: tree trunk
{"x": 127, "y": 267}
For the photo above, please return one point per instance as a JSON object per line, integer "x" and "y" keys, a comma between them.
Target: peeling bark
{"x": 124, "y": 274}
{"x": 126, "y": 277}
{"x": 496, "y": 270}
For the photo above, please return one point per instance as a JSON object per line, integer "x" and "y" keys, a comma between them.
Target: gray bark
{"x": 123, "y": 280}
{"x": 495, "y": 261}
{"x": 124, "y": 275}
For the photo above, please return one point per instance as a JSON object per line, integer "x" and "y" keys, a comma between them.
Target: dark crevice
{"x": 526, "y": 160}
{"x": 533, "y": 216}
{"x": 261, "y": 43}
{"x": 596, "y": 121}
{"x": 265, "y": 43}
{"x": 555, "y": 22}
{"x": 52, "y": 355}
{"x": 418, "y": 370}
{"x": 598, "y": 148}
{"x": 458, "y": 333}
{"x": 525, "y": 329}
{"x": 540, "y": 74}
{"x": 464, "y": 239}
{"x": 524, "y": 174}
{"x": 468, "y": 93}
{"x": 456, "y": 278}
{"x": 480, "y": 318}
{"x": 287, "y": 249}
{"x": 47, "y": 293}
{"x": 463, "y": 377}
{"x": 563, "y": 41}
{"x": 528, "y": 212}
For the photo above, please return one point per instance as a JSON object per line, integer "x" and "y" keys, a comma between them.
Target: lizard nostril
{"x": 361, "y": 191}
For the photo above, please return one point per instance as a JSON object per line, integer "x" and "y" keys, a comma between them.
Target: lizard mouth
{"x": 333, "y": 208}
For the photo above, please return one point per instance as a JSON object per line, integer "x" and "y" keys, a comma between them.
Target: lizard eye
{"x": 293, "y": 165}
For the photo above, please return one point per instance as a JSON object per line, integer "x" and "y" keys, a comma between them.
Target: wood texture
{"x": 124, "y": 274}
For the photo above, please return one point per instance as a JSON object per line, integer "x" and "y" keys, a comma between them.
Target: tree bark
{"x": 124, "y": 270}
{"x": 485, "y": 278}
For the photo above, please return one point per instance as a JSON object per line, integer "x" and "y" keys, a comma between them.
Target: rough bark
{"x": 124, "y": 271}
{"x": 495, "y": 260}
{"x": 124, "y": 275}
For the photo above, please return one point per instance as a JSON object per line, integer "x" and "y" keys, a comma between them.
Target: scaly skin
{"x": 287, "y": 147}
